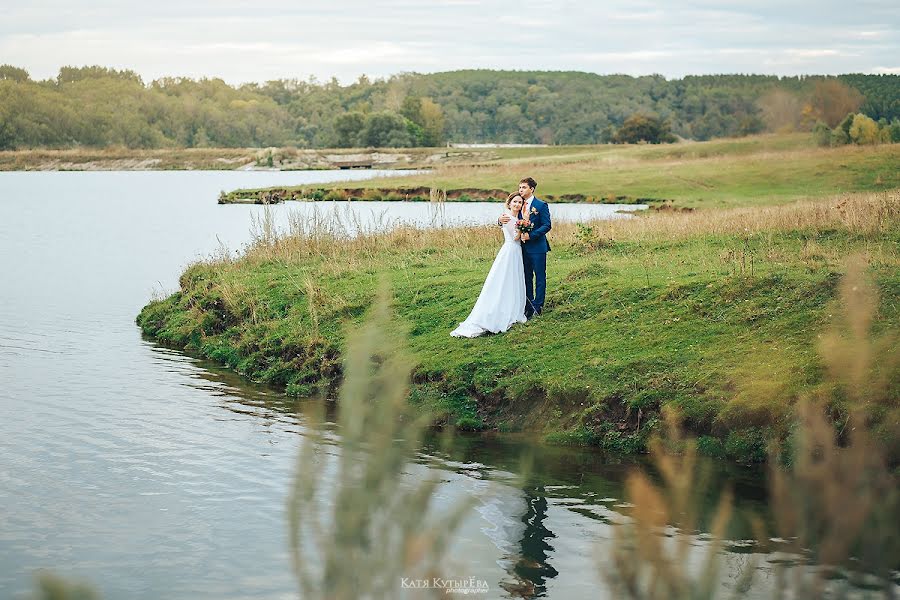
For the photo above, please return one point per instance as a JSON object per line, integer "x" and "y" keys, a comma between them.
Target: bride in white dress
{"x": 502, "y": 299}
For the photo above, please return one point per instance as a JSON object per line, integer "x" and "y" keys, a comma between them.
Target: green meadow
{"x": 718, "y": 313}
{"x": 753, "y": 171}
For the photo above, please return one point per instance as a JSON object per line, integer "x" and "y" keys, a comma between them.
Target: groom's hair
{"x": 531, "y": 182}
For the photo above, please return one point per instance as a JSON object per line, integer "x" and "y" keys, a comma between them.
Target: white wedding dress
{"x": 502, "y": 299}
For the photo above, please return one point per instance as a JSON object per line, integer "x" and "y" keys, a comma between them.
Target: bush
{"x": 822, "y": 134}
{"x": 467, "y": 423}
{"x": 894, "y": 130}
{"x": 846, "y": 123}
{"x": 839, "y": 137}
{"x": 864, "y": 130}
{"x": 316, "y": 194}
{"x": 712, "y": 446}
{"x": 372, "y": 195}
{"x": 587, "y": 240}
{"x": 747, "y": 445}
{"x": 644, "y": 128}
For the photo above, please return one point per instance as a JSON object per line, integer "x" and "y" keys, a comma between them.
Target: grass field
{"x": 715, "y": 312}
{"x": 754, "y": 171}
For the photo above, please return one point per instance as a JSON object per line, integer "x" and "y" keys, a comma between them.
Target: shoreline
{"x": 277, "y": 195}
{"x": 716, "y": 313}
{"x": 720, "y": 174}
{"x": 231, "y": 159}
{"x": 754, "y": 171}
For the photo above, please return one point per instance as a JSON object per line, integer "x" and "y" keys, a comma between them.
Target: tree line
{"x": 98, "y": 106}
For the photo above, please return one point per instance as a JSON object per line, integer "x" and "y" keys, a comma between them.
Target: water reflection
{"x": 532, "y": 566}
{"x": 545, "y": 532}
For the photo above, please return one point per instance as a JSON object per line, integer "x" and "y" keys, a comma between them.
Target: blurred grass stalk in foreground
{"x": 361, "y": 533}
{"x": 834, "y": 500}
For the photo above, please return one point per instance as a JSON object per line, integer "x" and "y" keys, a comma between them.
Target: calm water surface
{"x": 155, "y": 475}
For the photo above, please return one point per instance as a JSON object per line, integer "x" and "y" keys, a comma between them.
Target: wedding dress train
{"x": 502, "y": 299}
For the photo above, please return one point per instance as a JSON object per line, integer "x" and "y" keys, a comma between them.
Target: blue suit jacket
{"x": 540, "y": 218}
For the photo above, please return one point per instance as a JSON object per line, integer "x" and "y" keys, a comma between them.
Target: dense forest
{"x": 97, "y": 106}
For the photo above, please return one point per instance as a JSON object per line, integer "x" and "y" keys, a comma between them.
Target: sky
{"x": 243, "y": 41}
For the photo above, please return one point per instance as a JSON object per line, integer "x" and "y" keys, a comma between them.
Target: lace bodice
{"x": 509, "y": 229}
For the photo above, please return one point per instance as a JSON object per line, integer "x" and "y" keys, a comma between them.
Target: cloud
{"x": 812, "y": 52}
{"x": 636, "y": 55}
{"x": 868, "y": 35}
{"x": 243, "y": 41}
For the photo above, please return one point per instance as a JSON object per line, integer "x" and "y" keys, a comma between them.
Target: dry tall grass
{"x": 836, "y": 506}
{"x": 858, "y": 213}
{"x": 349, "y": 241}
{"x": 361, "y": 533}
{"x": 861, "y": 364}
{"x": 840, "y": 500}
{"x": 647, "y": 561}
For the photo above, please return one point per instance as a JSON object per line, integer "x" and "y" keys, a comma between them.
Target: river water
{"x": 152, "y": 474}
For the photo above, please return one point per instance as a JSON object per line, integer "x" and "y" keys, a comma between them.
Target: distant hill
{"x": 100, "y": 107}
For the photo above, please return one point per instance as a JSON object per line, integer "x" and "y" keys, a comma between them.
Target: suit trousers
{"x": 535, "y": 281}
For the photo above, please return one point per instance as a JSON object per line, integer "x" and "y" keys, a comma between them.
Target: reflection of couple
{"x": 516, "y": 285}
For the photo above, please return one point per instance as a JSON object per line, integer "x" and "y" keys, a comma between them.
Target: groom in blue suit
{"x": 534, "y": 247}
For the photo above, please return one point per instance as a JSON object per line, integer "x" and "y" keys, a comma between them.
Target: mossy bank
{"x": 276, "y": 195}
{"x": 717, "y": 314}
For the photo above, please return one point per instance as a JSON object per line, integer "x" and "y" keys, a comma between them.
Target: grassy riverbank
{"x": 716, "y": 312}
{"x": 754, "y": 171}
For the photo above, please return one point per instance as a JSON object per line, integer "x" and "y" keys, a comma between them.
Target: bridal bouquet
{"x": 524, "y": 226}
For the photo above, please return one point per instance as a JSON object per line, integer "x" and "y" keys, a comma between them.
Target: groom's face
{"x": 525, "y": 191}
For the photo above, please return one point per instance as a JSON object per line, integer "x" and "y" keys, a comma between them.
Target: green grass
{"x": 761, "y": 170}
{"x": 739, "y": 173}
{"x": 648, "y": 320}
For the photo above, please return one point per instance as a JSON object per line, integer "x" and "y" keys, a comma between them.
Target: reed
{"x": 50, "y": 586}
{"x": 835, "y": 504}
{"x": 359, "y": 532}
{"x": 647, "y": 561}
{"x": 316, "y": 234}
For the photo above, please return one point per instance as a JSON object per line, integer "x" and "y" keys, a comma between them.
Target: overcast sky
{"x": 270, "y": 39}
